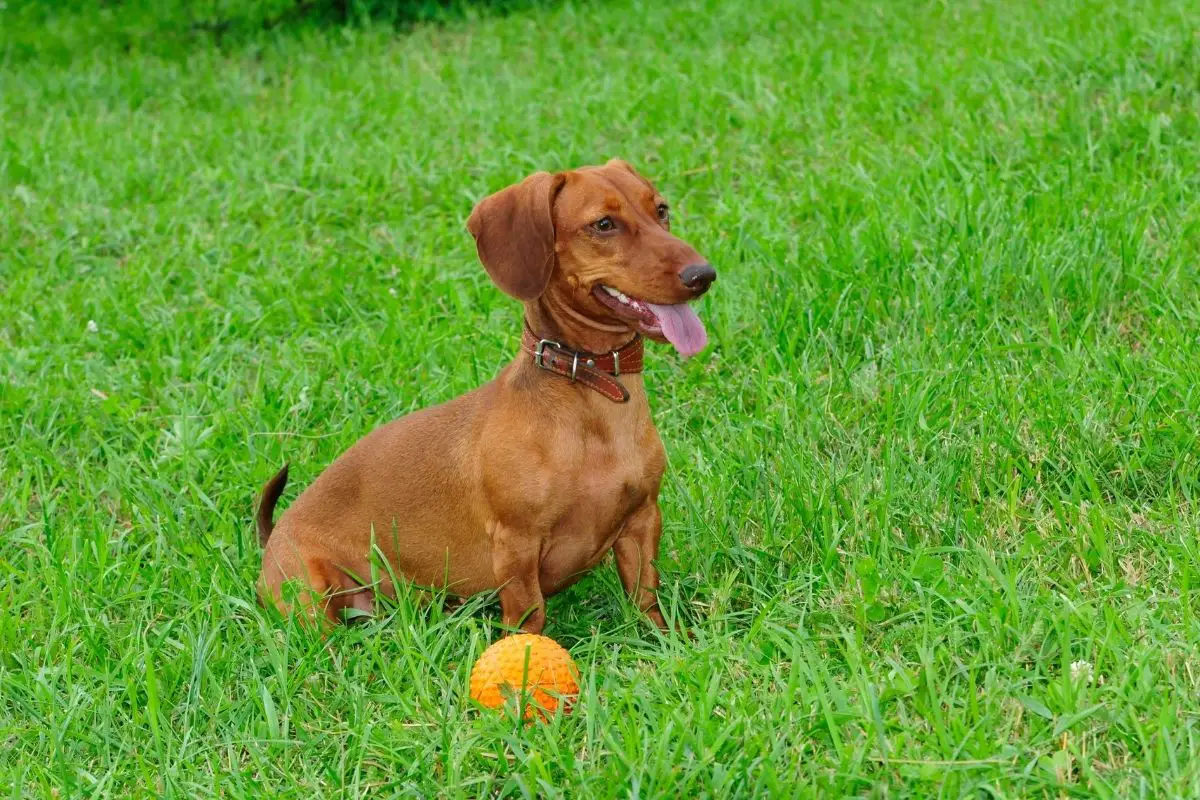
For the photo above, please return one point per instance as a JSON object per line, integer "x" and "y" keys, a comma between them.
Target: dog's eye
{"x": 604, "y": 224}
{"x": 664, "y": 213}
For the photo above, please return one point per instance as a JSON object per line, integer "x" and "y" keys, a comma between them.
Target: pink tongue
{"x": 682, "y": 328}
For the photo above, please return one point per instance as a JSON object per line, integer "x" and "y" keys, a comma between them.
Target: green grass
{"x": 943, "y": 445}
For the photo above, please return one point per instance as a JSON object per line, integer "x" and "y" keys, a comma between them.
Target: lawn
{"x": 931, "y": 508}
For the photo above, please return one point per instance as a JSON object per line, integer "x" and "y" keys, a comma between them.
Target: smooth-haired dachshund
{"x": 525, "y": 483}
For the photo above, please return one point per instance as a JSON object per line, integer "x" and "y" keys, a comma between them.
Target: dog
{"x": 526, "y": 483}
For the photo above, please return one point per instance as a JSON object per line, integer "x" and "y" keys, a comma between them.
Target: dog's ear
{"x": 514, "y": 234}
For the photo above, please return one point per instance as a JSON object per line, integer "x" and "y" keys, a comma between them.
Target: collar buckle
{"x": 539, "y": 352}
{"x": 539, "y": 357}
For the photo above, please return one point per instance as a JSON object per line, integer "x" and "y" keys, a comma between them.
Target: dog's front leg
{"x": 516, "y": 563}
{"x": 636, "y": 550}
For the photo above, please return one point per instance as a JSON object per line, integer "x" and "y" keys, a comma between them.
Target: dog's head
{"x": 598, "y": 239}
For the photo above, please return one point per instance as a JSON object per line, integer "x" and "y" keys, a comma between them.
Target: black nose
{"x": 698, "y": 277}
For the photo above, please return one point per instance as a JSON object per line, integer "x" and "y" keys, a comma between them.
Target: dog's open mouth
{"x": 677, "y": 324}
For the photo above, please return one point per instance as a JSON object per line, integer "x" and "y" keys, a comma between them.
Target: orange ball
{"x": 527, "y": 664}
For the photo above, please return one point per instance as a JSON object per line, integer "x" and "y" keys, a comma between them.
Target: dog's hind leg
{"x": 313, "y": 585}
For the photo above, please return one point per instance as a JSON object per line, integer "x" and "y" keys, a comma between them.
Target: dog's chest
{"x": 617, "y": 470}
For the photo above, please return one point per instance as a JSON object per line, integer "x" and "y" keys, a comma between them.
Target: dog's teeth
{"x": 624, "y": 298}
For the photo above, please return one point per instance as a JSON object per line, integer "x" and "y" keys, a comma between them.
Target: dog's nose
{"x": 698, "y": 277}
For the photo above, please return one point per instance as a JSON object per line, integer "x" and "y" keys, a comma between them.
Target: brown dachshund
{"x": 525, "y": 483}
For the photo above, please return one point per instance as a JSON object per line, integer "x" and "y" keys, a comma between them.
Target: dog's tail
{"x": 266, "y": 506}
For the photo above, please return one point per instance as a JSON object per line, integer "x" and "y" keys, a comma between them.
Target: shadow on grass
{"x": 61, "y": 30}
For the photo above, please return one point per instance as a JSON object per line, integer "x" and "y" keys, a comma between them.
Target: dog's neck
{"x": 551, "y": 318}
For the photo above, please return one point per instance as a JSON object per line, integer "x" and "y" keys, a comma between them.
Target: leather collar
{"x": 597, "y": 371}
